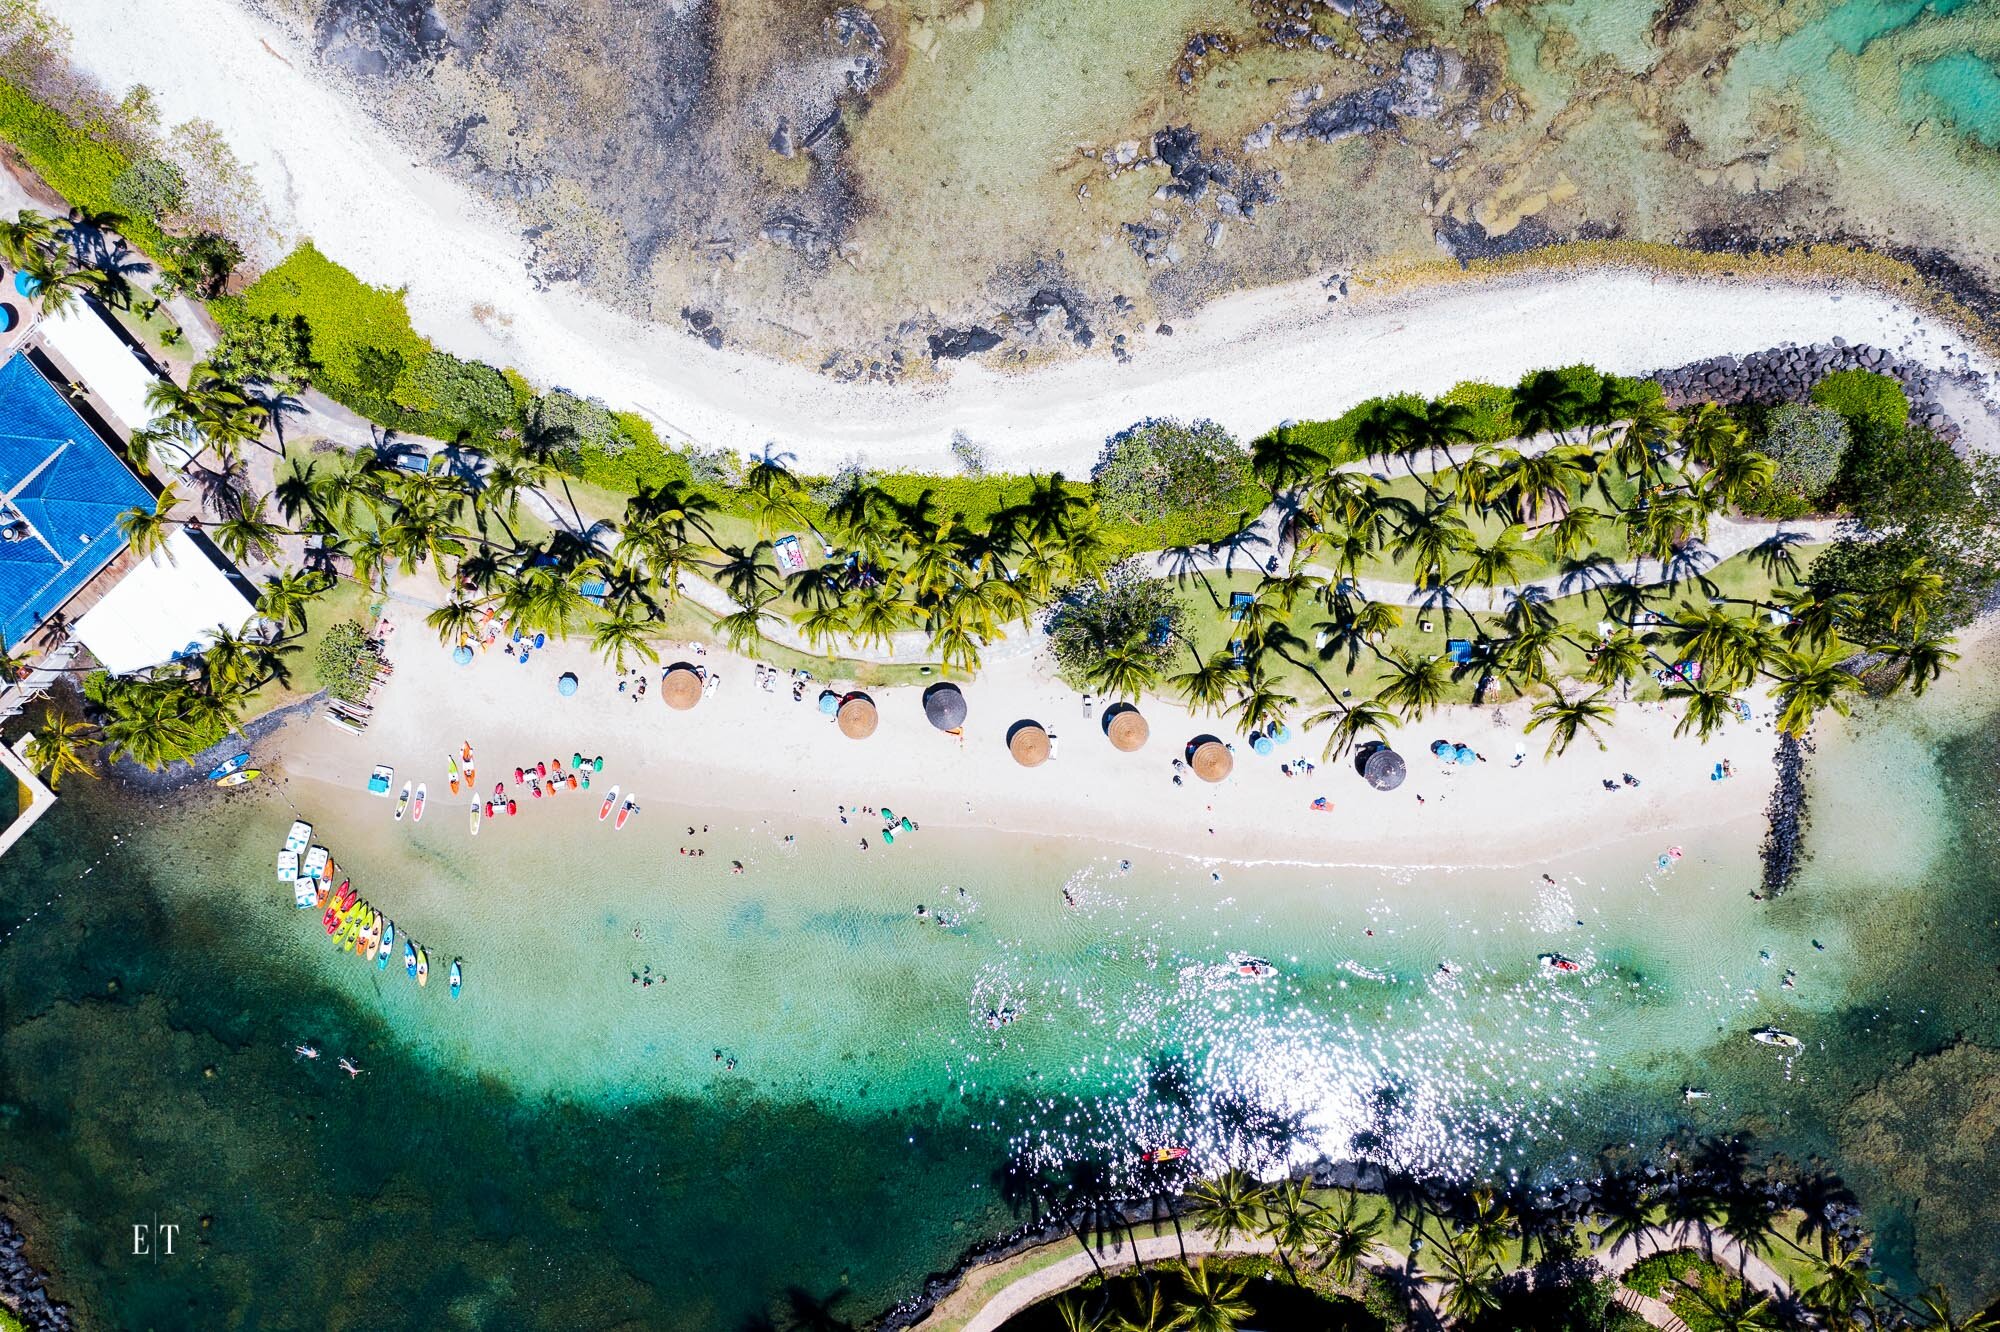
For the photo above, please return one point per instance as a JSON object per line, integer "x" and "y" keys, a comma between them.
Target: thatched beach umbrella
{"x": 680, "y": 688}
{"x": 945, "y": 706}
{"x": 856, "y": 716}
{"x": 1211, "y": 760}
{"x": 1029, "y": 744}
{"x": 1126, "y": 728}
{"x": 1384, "y": 768}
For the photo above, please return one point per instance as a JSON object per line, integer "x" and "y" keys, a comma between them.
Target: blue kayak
{"x": 410, "y": 958}
{"x": 233, "y": 765}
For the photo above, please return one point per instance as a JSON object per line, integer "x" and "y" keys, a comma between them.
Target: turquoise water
{"x": 1966, "y": 89}
{"x": 561, "y": 1148}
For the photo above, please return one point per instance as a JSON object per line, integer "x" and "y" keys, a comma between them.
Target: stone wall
{"x": 1787, "y": 374}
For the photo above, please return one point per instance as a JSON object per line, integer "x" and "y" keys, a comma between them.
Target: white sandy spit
{"x": 1249, "y": 361}
{"x": 745, "y": 748}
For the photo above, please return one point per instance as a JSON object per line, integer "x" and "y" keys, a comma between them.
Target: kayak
{"x": 403, "y": 802}
{"x": 520, "y": 775}
{"x": 238, "y": 778}
{"x": 388, "y": 943}
{"x": 451, "y": 766}
{"x": 423, "y": 967}
{"x": 224, "y": 769}
{"x": 1251, "y": 968}
{"x": 475, "y": 816}
{"x": 374, "y": 933}
{"x": 1557, "y": 962}
{"x": 457, "y": 978}
{"x": 513, "y": 808}
{"x": 499, "y": 790}
{"x": 409, "y": 957}
{"x": 1162, "y": 1155}
{"x": 604, "y": 810}
{"x": 631, "y": 803}
{"x": 1773, "y": 1036}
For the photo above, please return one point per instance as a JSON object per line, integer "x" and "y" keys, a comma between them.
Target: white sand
{"x": 746, "y": 749}
{"x": 331, "y": 174}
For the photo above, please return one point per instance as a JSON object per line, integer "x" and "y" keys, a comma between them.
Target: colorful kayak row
{"x": 352, "y": 924}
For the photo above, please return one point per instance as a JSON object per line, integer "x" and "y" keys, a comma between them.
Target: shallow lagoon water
{"x": 562, "y": 1147}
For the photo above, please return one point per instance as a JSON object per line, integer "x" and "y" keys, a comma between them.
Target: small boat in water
{"x": 417, "y": 810}
{"x": 423, "y": 967}
{"x": 1773, "y": 1036}
{"x": 1557, "y": 962}
{"x": 388, "y": 945}
{"x": 403, "y": 802}
{"x": 410, "y": 959}
{"x": 604, "y": 810}
{"x": 1162, "y": 1155}
{"x": 631, "y": 804}
{"x": 1250, "y": 968}
{"x": 300, "y": 837}
{"x": 457, "y": 978}
{"x": 238, "y": 778}
{"x": 288, "y": 866}
{"x": 233, "y": 765}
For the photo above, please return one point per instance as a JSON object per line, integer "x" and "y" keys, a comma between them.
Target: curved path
{"x": 955, "y": 1315}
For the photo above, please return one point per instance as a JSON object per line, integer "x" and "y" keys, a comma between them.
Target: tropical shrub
{"x": 1129, "y": 617}
{"x": 1870, "y": 402}
{"x": 345, "y": 664}
{"x": 81, "y": 164}
{"x": 273, "y": 351}
{"x": 1492, "y": 409}
{"x": 151, "y": 187}
{"x": 472, "y": 395}
{"x": 1162, "y": 466}
{"x": 1808, "y": 443}
{"x": 561, "y": 419}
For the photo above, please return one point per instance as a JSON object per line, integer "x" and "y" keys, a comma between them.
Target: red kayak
{"x": 541, "y": 770}
{"x": 330, "y": 920}
{"x": 1162, "y": 1155}
{"x": 519, "y": 776}
{"x": 489, "y": 809}
{"x": 513, "y": 807}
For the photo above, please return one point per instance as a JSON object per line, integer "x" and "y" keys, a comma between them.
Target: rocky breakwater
{"x": 24, "y": 1287}
{"x": 1787, "y": 374}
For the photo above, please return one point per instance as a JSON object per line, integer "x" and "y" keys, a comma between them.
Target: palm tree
{"x": 1432, "y": 535}
{"x": 286, "y": 595}
{"x": 822, "y": 626}
{"x": 144, "y": 724}
{"x": 1807, "y": 684}
{"x": 1732, "y": 1306}
{"x": 1709, "y": 705}
{"x": 1205, "y": 687}
{"x": 1343, "y": 1239}
{"x": 1708, "y": 434}
{"x": 29, "y": 234}
{"x": 1466, "y": 1278}
{"x": 877, "y": 615}
{"x": 1289, "y": 1223}
{"x": 1617, "y": 660}
{"x": 1227, "y": 1206}
{"x": 1415, "y": 685}
{"x": 1911, "y": 595}
{"x": 1210, "y": 1303}
{"x": 1919, "y": 662}
{"x": 1571, "y": 533}
{"x": 1841, "y": 1288}
{"x": 455, "y": 622}
{"x": 1940, "y": 1318}
{"x": 1500, "y": 562}
{"x": 1567, "y": 718}
{"x": 1261, "y": 701}
{"x": 618, "y": 636}
{"x": 743, "y": 628}
{"x": 146, "y": 530}
{"x": 1282, "y": 460}
{"x": 246, "y": 532}
{"x": 62, "y": 744}
{"x": 1076, "y": 1316}
{"x": 1350, "y": 723}
{"x": 1546, "y": 404}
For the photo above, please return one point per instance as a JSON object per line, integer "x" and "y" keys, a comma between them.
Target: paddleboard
{"x": 417, "y": 810}
{"x": 423, "y": 967}
{"x": 457, "y": 978}
{"x": 238, "y": 778}
{"x": 624, "y": 813}
{"x": 409, "y": 958}
{"x": 604, "y": 810}
{"x": 475, "y": 816}
{"x": 403, "y": 802}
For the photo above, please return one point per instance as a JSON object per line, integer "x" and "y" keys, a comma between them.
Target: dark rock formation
{"x": 954, "y": 344}
{"x": 1415, "y": 93}
{"x": 1787, "y": 814}
{"x": 1238, "y": 191}
{"x": 1787, "y": 374}
{"x": 24, "y": 1288}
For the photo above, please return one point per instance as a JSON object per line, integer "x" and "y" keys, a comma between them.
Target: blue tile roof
{"x": 58, "y": 477}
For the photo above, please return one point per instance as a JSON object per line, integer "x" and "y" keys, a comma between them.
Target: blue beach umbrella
{"x": 462, "y": 655}
{"x": 1466, "y": 757}
{"x": 518, "y": 635}
{"x": 541, "y": 640}
{"x": 1261, "y": 743}
{"x": 566, "y": 684}
{"x": 1444, "y": 750}
{"x": 1280, "y": 732}
{"x": 27, "y": 283}
{"x": 829, "y": 702}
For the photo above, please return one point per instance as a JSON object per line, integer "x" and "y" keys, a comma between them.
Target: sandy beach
{"x": 1248, "y": 361}
{"x": 747, "y": 749}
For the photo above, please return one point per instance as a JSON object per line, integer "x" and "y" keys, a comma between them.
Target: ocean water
{"x": 562, "y": 1147}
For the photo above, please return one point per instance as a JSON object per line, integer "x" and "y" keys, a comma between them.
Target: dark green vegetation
{"x": 1485, "y": 1260}
{"x": 1117, "y": 634}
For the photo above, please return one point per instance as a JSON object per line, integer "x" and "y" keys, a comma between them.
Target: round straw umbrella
{"x": 856, "y": 716}
{"x": 1384, "y": 769}
{"x": 681, "y": 687}
{"x": 1211, "y": 760}
{"x": 1127, "y": 730}
{"x": 945, "y": 706}
{"x": 1029, "y": 744}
